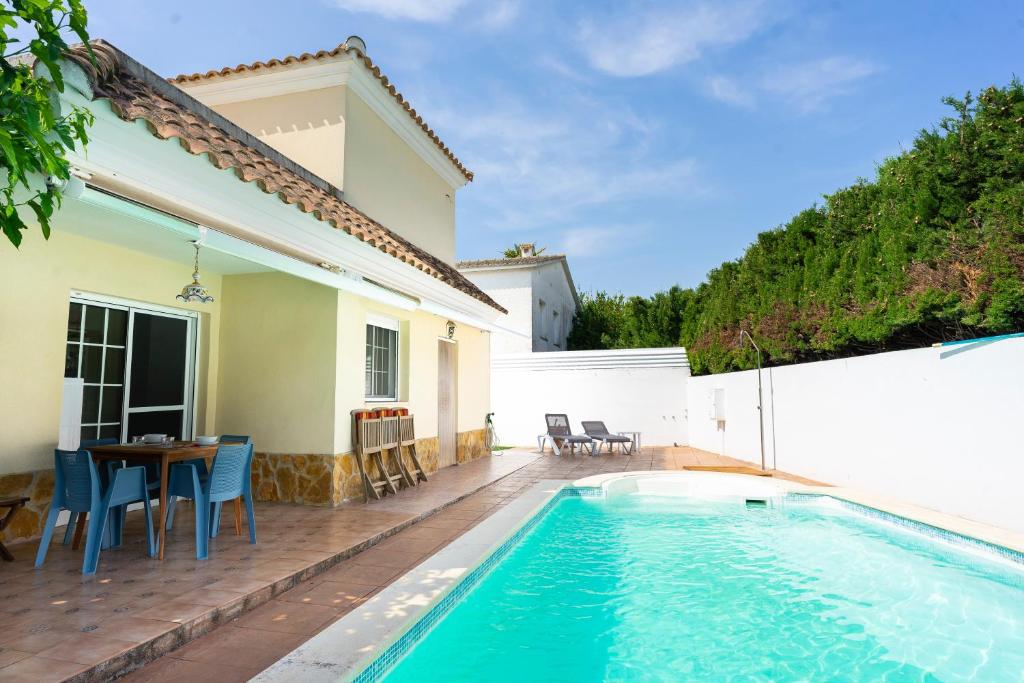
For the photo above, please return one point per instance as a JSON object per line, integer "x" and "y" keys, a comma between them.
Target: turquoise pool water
{"x": 664, "y": 589}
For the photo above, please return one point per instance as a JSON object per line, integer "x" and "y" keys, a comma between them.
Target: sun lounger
{"x": 559, "y": 435}
{"x": 598, "y": 432}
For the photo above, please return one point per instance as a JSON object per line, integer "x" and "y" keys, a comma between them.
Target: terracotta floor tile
{"x": 370, "y": 575}
{"x": 8, "y": 656}
{"x": 171, "y": 670}
{"x": 33, "y": 642}
{"x": 86, "y": 648}
{"x": 233, "y": 644}
{"x": 237, "y": 584}
{"x": 132, "y": 628}
{"x": 39, "y": 670}
{"x": 329, "y": 593}
{"x": 381, "y": 557}
{"x": 178, "y": 611}
{"x": 213, "y": 597}
{"x": 287, "y": 617}
{"x": 424, "y": 546}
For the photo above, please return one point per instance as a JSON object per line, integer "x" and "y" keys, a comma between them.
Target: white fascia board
{"x": 129, "y": 156}
{"x": 459, "y": 317}
{"x": 340, "y": 71}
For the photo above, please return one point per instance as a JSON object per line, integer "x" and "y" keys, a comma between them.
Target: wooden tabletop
{"x": 179, "y": 450}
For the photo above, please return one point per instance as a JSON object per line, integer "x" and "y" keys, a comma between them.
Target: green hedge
{"x": 931, "y": 250}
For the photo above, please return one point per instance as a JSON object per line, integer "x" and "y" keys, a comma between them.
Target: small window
{"x": 382, "y": 360}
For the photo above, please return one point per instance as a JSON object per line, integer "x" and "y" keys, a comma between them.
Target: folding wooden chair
{"x": 389, "y": 443}
{"x": 407, "y": 439}
{"x": 367, "y": 431}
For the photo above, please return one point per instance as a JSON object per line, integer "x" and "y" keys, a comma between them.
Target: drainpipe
{"x": 760, "y": 405}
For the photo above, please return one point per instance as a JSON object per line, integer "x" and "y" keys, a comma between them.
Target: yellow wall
{"x": 277, "y": 356}
{"x": 334, "y": 134}
{"x": 308, "y": 127}
{"x": 419, "y": 335}
{"x": 387, "y": 180}
{"x": 36, "y": 282}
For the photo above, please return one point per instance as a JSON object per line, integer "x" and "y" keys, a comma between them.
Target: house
{"x": 316, "y": 207}
{"x": 539, "y": 294}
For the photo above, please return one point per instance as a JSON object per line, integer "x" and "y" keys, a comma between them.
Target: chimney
{"x": 526, "y": 249}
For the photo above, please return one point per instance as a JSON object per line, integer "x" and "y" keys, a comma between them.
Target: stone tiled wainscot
{"x": 332, "y": 479}
{"x": 470, "y": 446}
{"x": 28, "y": 521}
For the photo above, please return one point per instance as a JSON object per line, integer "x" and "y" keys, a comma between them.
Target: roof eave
{"x": 111, "y": 63}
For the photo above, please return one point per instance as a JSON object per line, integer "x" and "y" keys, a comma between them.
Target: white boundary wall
{"x": 938, "y": 427}
{"x": 636, "y": 389}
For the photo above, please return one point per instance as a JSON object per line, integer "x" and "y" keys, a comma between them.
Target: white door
{"x": 446, "y": 402}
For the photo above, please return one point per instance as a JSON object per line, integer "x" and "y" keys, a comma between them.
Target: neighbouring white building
{"x": 539, "y": 294}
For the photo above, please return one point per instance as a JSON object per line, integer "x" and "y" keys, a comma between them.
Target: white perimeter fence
{"x": 939, "y": 427}
{"x": 634, "y": 389}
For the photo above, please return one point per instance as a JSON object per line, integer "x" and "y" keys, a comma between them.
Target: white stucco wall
{"x": 635, "y": 389}
{"x": 552, "y": 322}
{"x": 512, "y": 289}
{"x": 937, "y": 427}
{"x": 535, "y": 327}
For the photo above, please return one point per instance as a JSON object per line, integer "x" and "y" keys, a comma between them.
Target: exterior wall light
{"x": 451, "y": 328}
{"x": 195, "y": 290}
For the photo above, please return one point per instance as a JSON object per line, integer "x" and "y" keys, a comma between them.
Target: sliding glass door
{"x": 160, "y": 372}
{"x": 138, "y": 367}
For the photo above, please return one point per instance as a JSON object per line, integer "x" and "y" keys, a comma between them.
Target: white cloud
{"x": 540, "y": 170}
{"x": 725, "y": 89}
{"x": 584, "y": 242}
{"x": 645, "y": 42}
{"x": 809, "y": 85}
{"x": 433, "y": 11}
{"x": 499, "y": 14}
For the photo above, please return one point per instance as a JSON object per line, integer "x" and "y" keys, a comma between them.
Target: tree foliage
{"x": 34, "y": 134}
{"x": 515, "y": 251}
{"x": 931, "y": 250}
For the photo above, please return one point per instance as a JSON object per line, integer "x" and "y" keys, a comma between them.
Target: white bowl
{"x": 153, "y": 438}
{"x": 207, "y": 440}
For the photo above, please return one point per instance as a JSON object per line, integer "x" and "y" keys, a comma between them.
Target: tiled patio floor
{"x": 229, "y": 617}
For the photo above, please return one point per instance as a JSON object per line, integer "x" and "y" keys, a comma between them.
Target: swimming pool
{"x": 650, "y": 587}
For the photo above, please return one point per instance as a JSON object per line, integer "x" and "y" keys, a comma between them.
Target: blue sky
{"x": 650, "y": 141}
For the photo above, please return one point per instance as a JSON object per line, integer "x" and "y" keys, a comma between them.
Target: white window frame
{"x": 384, "y": 322}
{"x": 191, "y": 354}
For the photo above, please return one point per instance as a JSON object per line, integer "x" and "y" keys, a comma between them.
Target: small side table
{"x": 13, "y": 505}
{"x": 635, "y": 436}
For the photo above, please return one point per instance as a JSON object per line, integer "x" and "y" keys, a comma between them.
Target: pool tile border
{"x": 953, "y": 538}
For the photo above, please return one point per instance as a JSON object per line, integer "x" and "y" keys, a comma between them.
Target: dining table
{"x": 162, "y": 454}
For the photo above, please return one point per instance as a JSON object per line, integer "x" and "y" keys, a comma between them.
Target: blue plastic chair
{"x": 77, "y": 488}
{"x": 215, "y": 521}
{"x": 200, "y": 464}
{"x": 229, "y": 478}
{"x": 85, "y": 445}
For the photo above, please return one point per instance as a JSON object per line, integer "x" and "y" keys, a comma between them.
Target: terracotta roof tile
{"x": 327, "y": 54}
{"x": 510, "y": 262}
{"x": 136, "y": 93}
